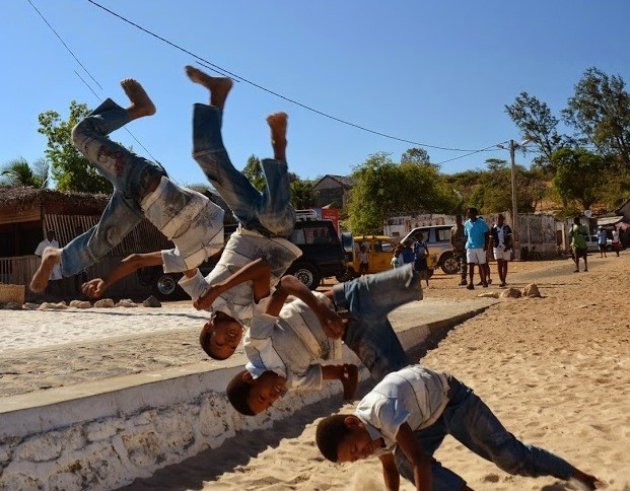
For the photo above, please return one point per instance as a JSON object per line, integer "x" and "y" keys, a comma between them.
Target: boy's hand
{"x": 331, "y": 322}
{"x": 205, "y": 301}
{"x": 94, "y": 288}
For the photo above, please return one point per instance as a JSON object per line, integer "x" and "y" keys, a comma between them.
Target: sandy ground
{"x": 555, "y": 370}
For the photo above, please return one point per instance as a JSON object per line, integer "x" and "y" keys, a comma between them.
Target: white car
{"x": 438, "y": 238}
{"x": 593, "y": 246}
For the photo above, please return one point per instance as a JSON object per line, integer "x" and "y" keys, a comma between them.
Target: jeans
{"x": 269, "y": 212}
{"x": 473, "y": 424}
{"x": 369, "y": 333}
{"x": 130, "y": 175}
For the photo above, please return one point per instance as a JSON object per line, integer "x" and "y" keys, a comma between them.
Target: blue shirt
{"x": 475, "y": 233}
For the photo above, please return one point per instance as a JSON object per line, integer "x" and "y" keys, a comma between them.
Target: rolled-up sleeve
{"x": 194, "y": 286}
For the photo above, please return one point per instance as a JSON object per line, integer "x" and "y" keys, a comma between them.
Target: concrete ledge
{"x": 105, "y": 434}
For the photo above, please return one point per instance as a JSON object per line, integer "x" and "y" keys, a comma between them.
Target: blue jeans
{"x": 130, "y": 175}
{"x": 473, "y": 424}
{"x": 369, "y": 333}
{"x": 269, "y": 212}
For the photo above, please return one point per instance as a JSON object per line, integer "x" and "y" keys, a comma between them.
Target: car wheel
{"x": 347, "y": 275}
{"x": 306, "y": 273}
{"x": 165, "y": 286}
{"x": 449, "y": 264}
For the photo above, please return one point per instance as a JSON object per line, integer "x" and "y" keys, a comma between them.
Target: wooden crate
{"x": 12, "y": 293}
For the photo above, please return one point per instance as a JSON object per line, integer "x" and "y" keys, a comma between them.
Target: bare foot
{"x": 219, "y": 87}
{"x": 278, "y": 124}
{"x": 141, "y": 104}
{"x": 350, "y": 380}
{"x": 50, "y": 258}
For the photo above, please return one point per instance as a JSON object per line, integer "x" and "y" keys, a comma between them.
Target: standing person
{"x": 578, "y": 235}
{"x": 616, "y": 244}
{"x": 501, "y": 240}
{"x": 285, "y": 346}
{"x": 458, "y": 242}
{"x": 55, "y": 276}
{"x": 421, "y": 254}
{"x": 477, "y": 238}
{"x": 141, "y": 189}
{"x": 602, "y": 239}
{"x": 404, "y": 419}
{"x": 407, "y": 253}
{"x": 364, "y": 259}
{"x": 397, "y": 259}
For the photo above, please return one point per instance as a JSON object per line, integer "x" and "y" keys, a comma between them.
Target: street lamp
{"x": 516, "y": 242}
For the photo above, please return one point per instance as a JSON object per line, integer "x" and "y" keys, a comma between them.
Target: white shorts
{"x": 476, "y": 256}
{"x": 501, "y": 253}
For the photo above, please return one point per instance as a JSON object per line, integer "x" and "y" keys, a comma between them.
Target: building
{"x": 333, "y": 191}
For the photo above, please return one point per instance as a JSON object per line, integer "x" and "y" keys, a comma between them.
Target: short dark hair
{"x": 238, "y": 392}
{"x": 474, "y": 210}
{"x": 204, "y": 340}
{"x": 331, "y": 431}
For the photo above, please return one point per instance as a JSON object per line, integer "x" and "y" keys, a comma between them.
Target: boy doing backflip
{"x": 141, "y": 189}
{"x": 405, "y": 418}
{"x": 257, "y": 251}
{"x": 286, "y": 345}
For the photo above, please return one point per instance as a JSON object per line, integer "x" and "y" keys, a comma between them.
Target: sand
{"x": 555, "y": 370}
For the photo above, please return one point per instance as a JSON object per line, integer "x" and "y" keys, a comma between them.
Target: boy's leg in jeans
{"x": 369, "y": 299}
{"x": 472, "y": 423}
{"x": 267, "y": 211}
{"x": 130, "y": 175}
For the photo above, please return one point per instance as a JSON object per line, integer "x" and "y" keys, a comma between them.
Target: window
{"x": 443, "y": 234}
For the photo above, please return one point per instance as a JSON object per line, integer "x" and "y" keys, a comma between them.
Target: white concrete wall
{"x": 80, "y": 438}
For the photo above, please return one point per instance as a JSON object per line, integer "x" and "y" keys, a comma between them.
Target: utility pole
{"x": 516, "y": 240}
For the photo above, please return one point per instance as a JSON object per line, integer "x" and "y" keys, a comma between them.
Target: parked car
{"x": 380, "y": 251}
{"x": 438, "y": 238}
{"x": 322, "y": 256}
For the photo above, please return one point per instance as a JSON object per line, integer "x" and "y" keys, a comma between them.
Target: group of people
{"x": 579, "y": 236}
{"x": 415, "y": 252}
{"x": 292, "y": 337}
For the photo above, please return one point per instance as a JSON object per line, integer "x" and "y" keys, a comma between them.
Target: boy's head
{"x": 220, "y": 336}
{"x": 344, "y": 438}
{"x": 472, "y": 213}
{"x": 250, "y": 396}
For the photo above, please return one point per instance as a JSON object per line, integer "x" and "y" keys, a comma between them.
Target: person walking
{"x": 577, "y": 236}
{"x": 501, "y": 239}
{"x": 458, "y": 242}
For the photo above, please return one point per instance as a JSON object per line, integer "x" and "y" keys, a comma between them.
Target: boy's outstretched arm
{"x": 390, "y": 472}
{"x": 96, "y": 287}
{"x": 289, "y": 285}
{"x": 420, "y": 462}
{"x": 257, "y": 271}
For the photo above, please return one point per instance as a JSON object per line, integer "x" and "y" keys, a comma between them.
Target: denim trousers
{"x": 269, "y": 212}
{"x": 129, "y": 174}
{"x": 473, "y": 424}
{"x": 369, "y": 299}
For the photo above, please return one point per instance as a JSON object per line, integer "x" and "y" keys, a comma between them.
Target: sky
{"x": 434, "y": 73}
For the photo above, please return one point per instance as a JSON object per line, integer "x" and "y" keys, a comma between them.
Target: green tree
{"x": 19, "y": 172}
{"x": 578, "y": 175}
{"x": 253, "y": 171}
{"x": 383, "y": 188}
{"x": 600, "y": 111}
{"x": 303, "y": 196}
{"x": 415, "y": 155}
{"x": 70, "y": 170}
{"x": 537, "y": 124}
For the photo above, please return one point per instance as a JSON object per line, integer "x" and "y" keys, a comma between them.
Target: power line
{"x": 64, "y": 44}
{"x": 86, "y": 71}
{"x": 219, "y": 69}
{"x": 485, "y": 149}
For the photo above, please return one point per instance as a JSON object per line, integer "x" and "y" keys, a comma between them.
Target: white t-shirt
{"x": 415, "y": 395}
{"x": 291, "y": 345}
{"x": 243, "y": 247}
{"x": 615, "y": 236}
{"x": 55, "y": 274}
{"x": 189, "y": 219}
